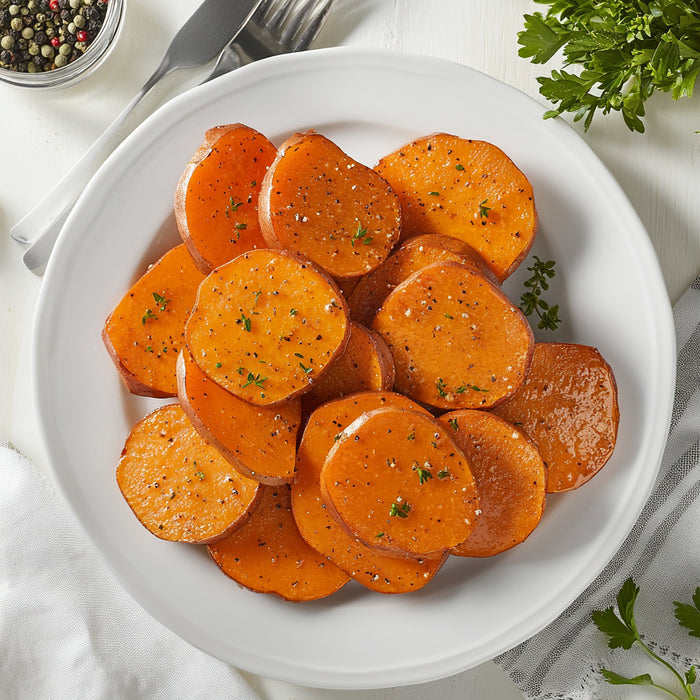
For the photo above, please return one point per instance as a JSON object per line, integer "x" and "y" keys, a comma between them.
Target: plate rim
{"x": 408, "y": 63}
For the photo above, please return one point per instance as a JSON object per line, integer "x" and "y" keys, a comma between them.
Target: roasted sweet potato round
{"x": 369, "y": 566}
{"x": 366, "y": 364}
{"x": 266, "y": 325}
{"x": 467, "y": 189}
{"x": 178, "y": 486}
{"x": 319, "y": 202}
{"x": 145, "y": 332}
{"x": 396, "y": 480}
{"x": 216, "y": 200}
{"x": 268, "y": 555}
{"x": 568, "y": 406}
{"x": 414, "y": 254}
{"x": 511, "y": 478}
{"x": 260, "y": 441}
{"x": 456, "y": 339}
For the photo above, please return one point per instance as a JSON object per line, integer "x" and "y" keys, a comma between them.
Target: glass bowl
{"x": 81, "y": 67}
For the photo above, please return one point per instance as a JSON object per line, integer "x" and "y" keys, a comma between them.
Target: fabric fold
{"x": 67, "y": 628}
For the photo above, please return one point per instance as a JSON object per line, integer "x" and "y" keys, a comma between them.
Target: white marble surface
{"x": 43, "y": 133}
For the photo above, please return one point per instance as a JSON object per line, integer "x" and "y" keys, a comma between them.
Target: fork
{"x": 276, "y": 27}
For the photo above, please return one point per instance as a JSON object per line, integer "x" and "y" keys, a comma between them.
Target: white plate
{"x": 608, "y": 285}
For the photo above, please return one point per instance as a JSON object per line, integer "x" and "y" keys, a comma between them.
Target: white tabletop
{"x": 43, "y": 133}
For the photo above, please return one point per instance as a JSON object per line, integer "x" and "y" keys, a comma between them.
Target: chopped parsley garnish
{"x": 247, "y": 324}
{"x": 147, "y": 315}
{"x": 360, "y": 235}
{"x": 423, "y": 473}
{"x": 400, "y": 509}
{"x": 254, "y": 379}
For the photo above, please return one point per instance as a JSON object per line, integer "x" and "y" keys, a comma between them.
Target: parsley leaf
{"x": 688, "y": 615}
{"x": 621, "y": 629}
{"x": 616, "y": 679}
{"x": 623, "y": 52}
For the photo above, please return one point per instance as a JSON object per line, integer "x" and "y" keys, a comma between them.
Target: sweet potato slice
{"x": 179, "y": 487}
{"x": 366, "y": 364}
{"x": 511, "y": 478}
{"x": 145, "y": 332}
{"x": 568, "y": 406}
{"x": 467, "y": 189}
{"x": 397, "y": 481}
{"x": 370, "y": 567}
{"x": 260, "y": 441}
{"x": 269, "y": 555}
{"x": 266, "y": 325}
{"x": 371, "y": 290}
{"x": 319, "y": 202}
{"x": 456, "y": 339}
{"x": 216, "y": 199}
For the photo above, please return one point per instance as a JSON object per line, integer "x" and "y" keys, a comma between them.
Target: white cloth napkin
{"x": 662, "y": 554}
{"x": 67, "y": 629}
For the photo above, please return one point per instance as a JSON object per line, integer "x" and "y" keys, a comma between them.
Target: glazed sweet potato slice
{"x": 568, "y": 406}
{"x": 145, "y": 332}
{"x": 456, "y": 339}
{"x": 260, "y": 441}
{"x": 179, "y": 487}
{"x": 369, "y": 566}
{"x": 397, "y": 481}
{"x": 511, "y": 478}
{"x": 371, "y": 290}
{"x": 365, "y": 365}
{"x": 467, "y": 189}
{"x": 319, "y": 202}
{"x": 268, "y": 555}
{"x": 267, "y": 325}
{"x": 216, "y": 199}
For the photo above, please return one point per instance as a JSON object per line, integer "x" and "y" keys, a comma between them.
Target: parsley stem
{"x": 681, "y": 680}
{"x": 666, "y": 690}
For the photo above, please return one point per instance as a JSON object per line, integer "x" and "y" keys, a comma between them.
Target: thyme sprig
{"x": 542, "y": 272}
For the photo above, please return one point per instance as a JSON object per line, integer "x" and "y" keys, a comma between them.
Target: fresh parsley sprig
{"x": 531, "y": 300}
{"x": 621, "y": 629}
{"x": 623, "y": 51}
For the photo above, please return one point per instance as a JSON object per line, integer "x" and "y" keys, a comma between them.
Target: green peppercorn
{"x": 16, "y": 24}
{"x": 79, "y": 21}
